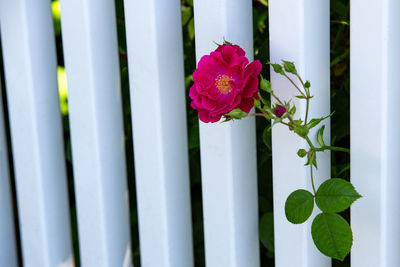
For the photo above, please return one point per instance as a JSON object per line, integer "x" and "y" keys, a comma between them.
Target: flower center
{"x": 222, "y": 83}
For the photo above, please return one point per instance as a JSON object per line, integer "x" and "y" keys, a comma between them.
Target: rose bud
{"x": 279, "y": 111}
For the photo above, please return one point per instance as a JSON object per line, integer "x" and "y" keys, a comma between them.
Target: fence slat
{"x": 30, "y": 72}
{"x": 299, "y": 32}
{"x": 91, "y": 57}
{"x": 375, "y": 131}
{"x": 154, "y": 39}
{"x": 228, "y": 150}
{"x": 8, "y": 249}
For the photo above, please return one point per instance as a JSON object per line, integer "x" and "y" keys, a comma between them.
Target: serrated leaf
{"x": 335, "y": 195}
{"x": 320, "y": 136}
{"x": 267, "y": 138}
{"x": 332, "y": 235}
{"x": 299, "y": 206}
{"x": 267, "y": 231}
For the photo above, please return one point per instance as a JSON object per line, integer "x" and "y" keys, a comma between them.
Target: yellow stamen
{"x": 222, "y": 83}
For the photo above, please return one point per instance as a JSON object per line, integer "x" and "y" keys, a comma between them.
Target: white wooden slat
{"x": 375, "y": 131}
{"x": 31, "y": 83}
{"x": 299, "y": 32}
{"x": 94, "y": 97}
{"x": 228, "y": 150}
{"x": 155, "y": 53}
{"x": 8, "y": 248}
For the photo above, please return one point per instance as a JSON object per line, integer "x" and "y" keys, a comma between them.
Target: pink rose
{"x": 223, "y": 81}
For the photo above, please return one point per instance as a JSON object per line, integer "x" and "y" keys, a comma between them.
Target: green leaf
{"x": 276, "y": 121}
{"x": 335, "y": 195}
{"x": 55, "y": 10}
{"x": 315, "y": 122}
{"x": 267, "y": 138}
{"x": 190, "y": 28}
{"x": 292, "y": 111}
{"x": 332, "y": 235}
{"x": 301, "y": 130}
{"x": 301, "y": 96}
{"x": 299, "y": 206}
{"x": 226, "y": 42}
{"x": 186, "y": 14}
{"x": 267, "y": 231}
{"x": 320, "y": 136}
{"x": 289, "y": 67}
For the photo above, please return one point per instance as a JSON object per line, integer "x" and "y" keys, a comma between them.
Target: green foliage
{"x": 267, "y": 232}
{"x": 335, "y": 195}
{"x": 332, "y": 235}
{"x": 315, "y": 122}
{"x": 320, "y": 136}
{"x": 55, "y": 10}
{"x": 299, "y": 206}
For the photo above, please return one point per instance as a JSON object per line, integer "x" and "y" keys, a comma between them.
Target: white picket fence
{"x": 299, "y": 31}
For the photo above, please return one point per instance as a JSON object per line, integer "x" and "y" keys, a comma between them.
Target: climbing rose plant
{"x": 227, "y": 86}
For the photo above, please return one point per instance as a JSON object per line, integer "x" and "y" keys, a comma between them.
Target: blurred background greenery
{"x": 339, "y": 123}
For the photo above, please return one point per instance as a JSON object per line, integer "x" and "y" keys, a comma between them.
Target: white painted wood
{"x": 228, "y": 150}
{"x": 31, "y": 83}
{"x": 375, "y": 131}
{"x": 299, "y": 32}
{"x": 94, "y": 97}
{"x": 154, "y": 39}
{"x": 8, "y": 248}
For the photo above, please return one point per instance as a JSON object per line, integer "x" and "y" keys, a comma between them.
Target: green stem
{"x": 333, "y": 148}
{"x": 301, "y": 81}
{"x": 256, "y": 114}
{"x": 310, "y": 143}
{"x": 307, "y": 108}
{"x": 277, "y": 99}
{"x": 295, "y": 85}
{"x": 311, "y": 172}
